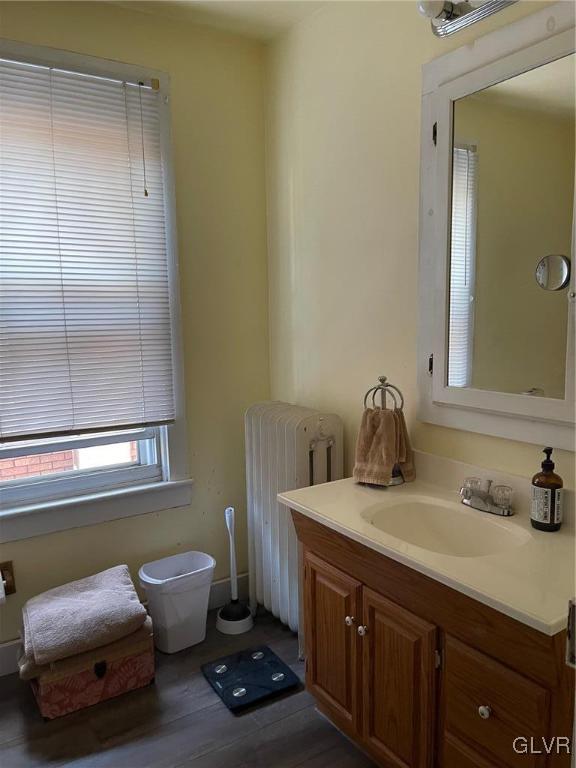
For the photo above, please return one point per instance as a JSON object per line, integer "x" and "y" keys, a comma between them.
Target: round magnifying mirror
{"x": 553, "y": 272}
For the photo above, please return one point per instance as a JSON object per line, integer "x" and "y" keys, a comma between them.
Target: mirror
{"x": 553, "y": 272}
{"x": 512, "y": 204}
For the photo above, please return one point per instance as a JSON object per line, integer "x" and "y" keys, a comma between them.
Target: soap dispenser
{"x": 546, "y": 509}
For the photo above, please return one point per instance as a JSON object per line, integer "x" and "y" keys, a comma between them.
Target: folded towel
{"x": 376, "y": 447}
{"x": 29, "y": 670}
{"x": 81, "y": 615}
{"x": 382, "y": 444}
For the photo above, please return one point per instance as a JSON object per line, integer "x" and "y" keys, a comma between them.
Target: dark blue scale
{"x": 250, "y": 677}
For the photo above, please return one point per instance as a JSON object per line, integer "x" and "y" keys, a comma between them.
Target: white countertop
{"x": 531, "y": 582}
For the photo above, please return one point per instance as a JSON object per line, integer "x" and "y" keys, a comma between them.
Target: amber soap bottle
{"x": 546, "y": 509}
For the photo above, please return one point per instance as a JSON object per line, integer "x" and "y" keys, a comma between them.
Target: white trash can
{"x": 178, "y": 589}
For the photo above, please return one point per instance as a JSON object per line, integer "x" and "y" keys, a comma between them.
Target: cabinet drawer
{"x": 458, "y": 755}
{"x": 514, "y": 706}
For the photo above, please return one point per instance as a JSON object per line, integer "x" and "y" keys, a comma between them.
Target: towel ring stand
{"x": 385, "y": 388}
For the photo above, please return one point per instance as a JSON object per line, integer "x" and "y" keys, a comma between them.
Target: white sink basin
{"x": 445, "y": 527}
{"x": 500, "y": 561}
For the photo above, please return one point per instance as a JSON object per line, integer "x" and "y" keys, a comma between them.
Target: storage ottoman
{"x": 81, "y": 681}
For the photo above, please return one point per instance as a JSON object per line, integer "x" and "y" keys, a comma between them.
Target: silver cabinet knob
{"x": 349, "y": 620}
{"x": 362, "y": 630}
{"x": 484, "y": 712}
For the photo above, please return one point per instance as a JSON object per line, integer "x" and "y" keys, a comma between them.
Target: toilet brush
{"x": 235, "y": 618}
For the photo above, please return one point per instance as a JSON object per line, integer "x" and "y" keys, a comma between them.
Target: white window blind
{"x": 462, "y": 266}
{"x": 85, "y": 334}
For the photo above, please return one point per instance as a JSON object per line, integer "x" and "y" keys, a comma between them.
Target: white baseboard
{"x": 219, "y": 596}
{"x": 8, "y": 656}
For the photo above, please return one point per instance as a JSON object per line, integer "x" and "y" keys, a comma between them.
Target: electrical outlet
{"x": 7, "y": 571}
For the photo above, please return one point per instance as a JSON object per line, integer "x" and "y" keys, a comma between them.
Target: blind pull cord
{"x": 140, "y": 84}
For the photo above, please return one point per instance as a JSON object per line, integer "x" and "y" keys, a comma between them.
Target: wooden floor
{"x": 179, "y": 721}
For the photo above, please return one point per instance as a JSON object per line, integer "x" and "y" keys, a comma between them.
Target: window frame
{"x": 38, "y": 488}
{"x": 170, "y": 486}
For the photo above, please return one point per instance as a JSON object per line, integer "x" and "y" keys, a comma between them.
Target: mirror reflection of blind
{"x": 85, "y": 334}
{"x": 462, "y": 258}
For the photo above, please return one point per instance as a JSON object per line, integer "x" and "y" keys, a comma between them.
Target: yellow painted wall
{"x": 524, "y": 211}
{"x": 342, "y": 156}
{"x": 343, "y": 193}
{"x": 217, "y": 122}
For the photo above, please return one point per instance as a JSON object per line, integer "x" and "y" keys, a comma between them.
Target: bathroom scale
{"x": 249, "y": 678}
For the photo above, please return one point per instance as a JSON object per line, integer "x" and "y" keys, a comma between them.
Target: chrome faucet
{"x": 475, "y": 493}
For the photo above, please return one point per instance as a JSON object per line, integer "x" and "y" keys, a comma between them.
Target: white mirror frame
{"x": 521, "y": 46}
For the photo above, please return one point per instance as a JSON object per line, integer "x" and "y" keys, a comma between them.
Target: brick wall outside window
{"x": 40, "y": 464}
{"x": 47, "y": 464}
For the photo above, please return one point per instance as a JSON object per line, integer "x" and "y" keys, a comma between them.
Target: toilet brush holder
{"x": 235, "y": 617}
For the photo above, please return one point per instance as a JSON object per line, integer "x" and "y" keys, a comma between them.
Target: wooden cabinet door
{"x": 332, "y": 658}
{"x": 399, "y": 681}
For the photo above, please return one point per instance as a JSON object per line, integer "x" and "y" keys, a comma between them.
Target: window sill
{"x": 75, "y": 512}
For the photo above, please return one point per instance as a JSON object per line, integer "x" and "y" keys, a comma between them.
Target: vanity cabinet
{"x": 420, "y": 675}
{"x": 386, "y": 672}
{"x": 370, "y": 664}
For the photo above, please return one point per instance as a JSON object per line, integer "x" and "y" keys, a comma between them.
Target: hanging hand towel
{"x": 405, "y": 457}
{"x": 376, "y": 447}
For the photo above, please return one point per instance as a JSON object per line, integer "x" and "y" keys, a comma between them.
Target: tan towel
{"x": 383, "y": 443}
{"x": 29, "y": 670}
{"x": 81, "y": 615}
{"x": 376, "y": 447}
{"x": 405, "y": 457}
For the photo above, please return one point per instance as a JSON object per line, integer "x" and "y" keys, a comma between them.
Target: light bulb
{"x": 431, "y": 8}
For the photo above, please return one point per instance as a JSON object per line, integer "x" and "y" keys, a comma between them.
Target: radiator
{"x": 287, "y": 447}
